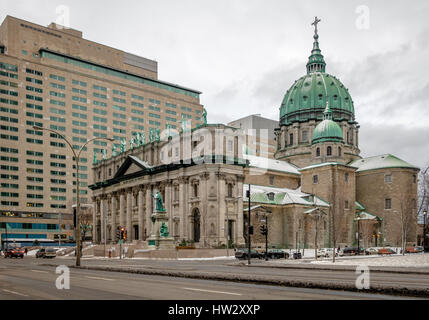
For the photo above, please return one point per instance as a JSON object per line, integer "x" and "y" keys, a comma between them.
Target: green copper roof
{"x": 307, "y": 97}
{"x": 381, "y": 162}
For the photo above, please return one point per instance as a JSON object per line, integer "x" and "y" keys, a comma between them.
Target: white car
{"x": 326, "y": 252}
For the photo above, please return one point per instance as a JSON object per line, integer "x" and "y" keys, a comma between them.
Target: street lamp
{"x": 76, "y": 157}
{"x": 424, "y": 229}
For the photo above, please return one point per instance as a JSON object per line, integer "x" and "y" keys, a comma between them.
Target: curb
{"x": 340, "y": 268}
{"x": 397, "y": 291}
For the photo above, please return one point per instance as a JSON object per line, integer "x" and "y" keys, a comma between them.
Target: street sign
{"x": 120, "y": 241}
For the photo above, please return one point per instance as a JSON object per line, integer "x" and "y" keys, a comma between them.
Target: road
{"x": 386, "y": 279}
{"x": 27, "y": 279}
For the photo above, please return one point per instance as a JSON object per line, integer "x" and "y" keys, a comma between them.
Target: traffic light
{"x": 125, "y": 235}
{"x": 122, "y": 233}
{"x": 118, "y": 233}
{"x": 264, "y": 230}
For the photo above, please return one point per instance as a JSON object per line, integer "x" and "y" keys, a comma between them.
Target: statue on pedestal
{"x": 158, "y": 201}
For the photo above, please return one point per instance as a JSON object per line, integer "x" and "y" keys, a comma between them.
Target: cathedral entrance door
{"x": 197, "y": 227}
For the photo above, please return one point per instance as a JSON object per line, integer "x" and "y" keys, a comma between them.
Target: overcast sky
{"x": 244, "y": 54}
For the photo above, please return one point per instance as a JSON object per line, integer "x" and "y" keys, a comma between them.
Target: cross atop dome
{"x": 316, "y": 21}
{"x": 316, "y": 63}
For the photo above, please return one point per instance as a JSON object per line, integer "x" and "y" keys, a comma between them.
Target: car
{"x": 351, "y": 251}
{"x": 326, "y": 252}
{"x": 414, "y": 249}
{"x": 14, "y": 253}
{"x": 419, "y": 249}
{"x": 242, "y": 254}
{"x": 277, "y": 254}
{"x": 386, "y": 251}
{"x": 371, "y": 251}
{"x": 46, "y": 253}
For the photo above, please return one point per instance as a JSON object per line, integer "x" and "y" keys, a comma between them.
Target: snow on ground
{"x": 418, "y": 260}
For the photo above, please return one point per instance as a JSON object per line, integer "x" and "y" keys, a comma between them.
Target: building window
{"x": 346, "y": 204}
{"x": 346, "y": 177}
{"x": 230, "y": 190}
{"x": 315, "y": 179}
{"x": 195, "y": 190}
{"x": 291, "y": 139}
{"x": 388, "y": 178}
{"x": 329, "y": 151}
{"x": 305, "y": 136}
{"x": 388, "y": 204}
{"x": 270, "y": 196}
{"x": 339, "y": 151}
{"x": 318, "y": 152}
{"x": 271, "y": 180}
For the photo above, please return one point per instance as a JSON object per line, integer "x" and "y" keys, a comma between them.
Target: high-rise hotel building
{"x": 54, "y": 78}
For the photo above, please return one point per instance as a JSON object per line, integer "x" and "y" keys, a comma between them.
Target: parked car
{"x": 414, "y": 249}
{"x": 371, "y": 251}
{"x": 14, "y": 253}
{"x": 326, "y": 252}
{"x": 46, "y": 253}
{"x": 277, "y": 254}
{"x": 242, "y": 254}
{"x": 351, "y": 251}
{"x": 419, "y": 249}
{"x": 387, "y": 251}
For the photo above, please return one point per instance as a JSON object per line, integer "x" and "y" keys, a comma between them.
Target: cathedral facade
{"x": 317, "y": 191}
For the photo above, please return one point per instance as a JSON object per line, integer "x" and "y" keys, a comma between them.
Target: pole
{"x": 358, "y": 236}
{"x": 315, "y": 238}
{"x": 59, "y": 222}
{"x": 266, "y": 237}
{"x": 76, "y": 156}
{"x": 424, "y": 230}
{"x": 248, "y": 228}
{"x": 105, "y": 231}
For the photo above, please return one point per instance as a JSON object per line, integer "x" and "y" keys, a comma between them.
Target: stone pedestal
{"x": 160, "y": 237}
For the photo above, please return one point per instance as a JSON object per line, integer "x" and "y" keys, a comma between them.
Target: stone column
{"x": 203, "y": 207}
{"x": 239, "y": 206}
{"x": 94, "y": 220}
{"x": 222, "y": 232}
{"x": 182, "y": 207}
{"x": 149, "y": 211}
{"x": 113, "y": 218}
{"x": 140, "y": 203}
{"x": 129, "y": 224}
{"x": 168, "y": 206}
{"x": 103, "y": 219}
{"x": 122, "y": 210}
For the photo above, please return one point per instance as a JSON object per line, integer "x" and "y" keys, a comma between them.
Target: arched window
{"x": 195, "y": 190}
{"x": 291, "y": 139}
{"x": 318, "y": 152}
{"x": 339, "y": 151}
{"x": 329, "y": 151}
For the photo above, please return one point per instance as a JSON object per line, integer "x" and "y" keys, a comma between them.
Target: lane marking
{"x": 98, "y": 278}
{"x": 211, "y": 291}
{"x": 40, "y": 271}
{"x": 13, "y": 292}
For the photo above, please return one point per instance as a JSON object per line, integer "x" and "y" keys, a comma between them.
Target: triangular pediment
{"x": 131, "y": 166}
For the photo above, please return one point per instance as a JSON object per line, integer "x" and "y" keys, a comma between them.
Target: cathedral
{"x": 317, "y": 191}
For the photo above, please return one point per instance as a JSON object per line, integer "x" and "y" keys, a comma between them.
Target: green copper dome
{"x": 328, "y": 129}
{"x": 307, "y": 97}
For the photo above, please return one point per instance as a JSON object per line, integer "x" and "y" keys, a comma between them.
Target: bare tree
{"x": 423, "y": 191}
{"x": 407, "y": 217}
{"x": 85, "y": 222}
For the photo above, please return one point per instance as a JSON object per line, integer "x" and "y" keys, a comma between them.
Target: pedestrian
{"x": 26, "y": 250}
